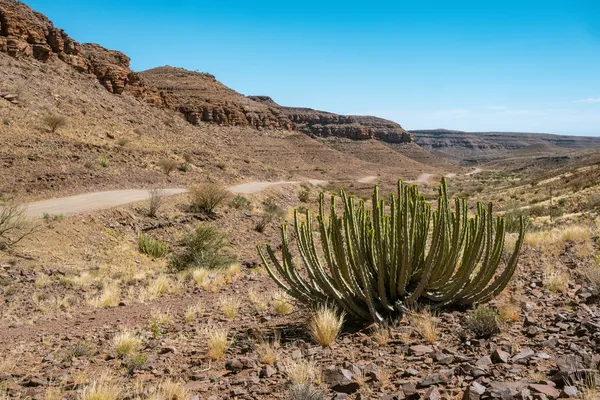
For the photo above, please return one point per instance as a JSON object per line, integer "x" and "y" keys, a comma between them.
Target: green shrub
{"x": 152, "y": 247}
{"x": 204, "y": 247}
{"x": 483, "y": 322}
{"x": 103, "y": 161}
{"x": 239, "y": 202}
{"x": 270, "y": 212}
{"x": 304, "y": 195}
{"x": 205, "y": 197}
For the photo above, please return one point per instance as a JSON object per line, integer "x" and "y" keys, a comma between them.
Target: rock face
{"x": 27, "y": 33}
{"x": 198, "y": 96}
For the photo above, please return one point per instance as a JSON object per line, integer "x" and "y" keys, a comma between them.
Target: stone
{"x": 433, "y": 394}
{"x": 473, "y": 391}
{"x": 340, "y": 380}
{"x": 547, "y": 390}
{"x": 442, "y": 376}
{"x": 234, "y": 365}
{"x": 523, "y": 355}
{"x": 485, "y": 360}
{"x": 569, "y": 391}
{"x": 267, "y": 371}
{"x": 421, "y": 349}
{"x": 500, "y": 356}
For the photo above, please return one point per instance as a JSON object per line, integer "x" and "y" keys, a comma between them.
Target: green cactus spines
{"x": 375, "y": 263}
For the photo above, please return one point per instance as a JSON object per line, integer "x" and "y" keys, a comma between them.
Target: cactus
{"x": 374, "y": 264}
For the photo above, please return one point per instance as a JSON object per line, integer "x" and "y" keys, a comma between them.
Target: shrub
{"x": 325, "y": 325}
{"x": 239, "y": 202}
{"x": 304, "y": 195}
{"x": 167, "y": 166}
{"x": 305, "y": 392}
{"x": 483, "y": 322}
{"x": 222, "y": 165}
{"x": 123, "y": 142}
{"x": 380, "y": 260}
{"x": 152, "y": 247}
{"x": 54, "y": 122}
{"x": 103, "y": 161}
{"x": 135, "y": 362}
{"x": 156, "y": 200}
{"x": 205, "y": 247}
{"x": 14, "y": 224}
{"x": 270, "y": 212}
{"x": 205, "y": 197}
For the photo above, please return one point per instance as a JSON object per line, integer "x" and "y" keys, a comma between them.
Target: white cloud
{"x": 589, "y": 100}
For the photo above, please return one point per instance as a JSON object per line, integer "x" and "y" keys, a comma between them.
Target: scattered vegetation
{"x": 123, "y": 142}
{"x": 301, "y": 371}
{"x": 240, "y": 202}
{"x": 325, "y": 325}
{"x": 268, "y": 351}
{"x": 270, "y": 212}
{"x": 483, "y": 322}
{"x": 305, "y": 392}
{"x": 424, "y": 322}
{"x": 205, "y": 197}
{"x": 103, "y": 161}
{"x": 205, "y": 247}
{"x": 381, "y": 334}
{"x": 304, "y": 195}
{"x": 193, "y": 311}
{"x": 104, "y": 388}
{"x": 155, "y": 201}
{"x": 151, "y": 246}
{"x": 14, "y": 224}
{"x": 54, "y": 122}
{"x": 281, "y": 303}
{"x": 556, "y": 280}
{"x": 110, "y": 297}
{"x": 167, "y": 166}
{"x": 230, "y": 306}
{"x": 127, "y": 343}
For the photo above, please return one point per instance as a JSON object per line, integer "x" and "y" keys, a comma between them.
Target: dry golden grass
{"x": 127, "y": 343}
{"x": 325, "y": 325}
{"x": 556, "y": 280}
{"x": 193, "y": 311}
{"x": 268, "y": 351}
{"x": 553, "y": 241}
{"x": 104, "y": 388}
{"x": 160, "y": 286}
{"x": 592, "y": 275}
{"x": 425, "y": 324}
{"x": 201, "y": 276}
{"x": 282, "y": 303}
{"x": 231, "y": 271}
{"x": 171, "y": 390}
{"x": 380, "y": 334}
{"x": 217, "y": 341}
{"x": 508, "y": 311}
{"x": 259, "y": 301}
{"x": 110, "y": 297}
{"x": 301, "y": 371}
{"x": 230, "y": 306}
{"x": 160, "y": 317}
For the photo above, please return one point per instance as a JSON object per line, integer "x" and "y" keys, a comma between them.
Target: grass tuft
{"x": 301, "y": 371}
{"x": 127, "y": 343}
{"x": 218, "y": 341}
{"x": 425, "y": 324}
{"x": 325, "y": 325}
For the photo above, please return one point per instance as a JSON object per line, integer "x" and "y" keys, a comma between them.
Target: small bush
{"x": 155, "y": 201}
{"x": 205, "y": 197}
{"x": 305, "y": 392}
{"x": 271, "y": 211}
{"x": 123, "y": 142}
{"x": 205, "y": 247}
{"x": 483, "y": 322}
{"x": 167, "y": 166}
{"x": 152, "y": 247}
{"x": 325, "y": 325}
{"x": 239, "y": 202}
{"x": 222, "y": 165}
{"x": 304, "y": 195}
{"x": 103, "y": 161}
{"x": 54, "y": 122}
{"x": 133, "y": 363}
{"x": 14, "y": 224}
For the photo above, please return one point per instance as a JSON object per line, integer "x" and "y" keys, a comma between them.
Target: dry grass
{"x": 159, "y": 286}
{"x": 110, "y": 297}
{"x": 301, "y": 371}
{"x": 268, "y": 351}
{"x": 205, "y": 197}
{"x": 104, "y": 388}
{"x": 127, "y": 343}
{"x": 425, "y": 324}
{"x": 325, "y": 325}
{"x": 259, "y": 301}
{"x": 556, "y": 280}
{"x": 508, "y": 311}
{"x": 193, "y": 311}
{"x": 282, "y": 303}
{"x": 553, "y": 241}
{"x": 233, "y": 270}
{"x": 171, "y": 390}
{"x": 230, "y": 306}
{"x": 201, "y": 277}
{"x": 381, "y": 334}
{"x": 218, "y": 341}
{"x": 592, "y": 276}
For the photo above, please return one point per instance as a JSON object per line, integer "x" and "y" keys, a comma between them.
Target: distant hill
{"x": 461, "y": 145}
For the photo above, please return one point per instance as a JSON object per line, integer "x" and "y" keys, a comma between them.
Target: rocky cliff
{"x": 198, "y": 96}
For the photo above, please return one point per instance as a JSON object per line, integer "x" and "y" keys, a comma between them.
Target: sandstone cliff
{"x": 198, "y": 96}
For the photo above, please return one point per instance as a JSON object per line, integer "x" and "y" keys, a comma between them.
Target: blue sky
{"x": 486, "y": 65}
